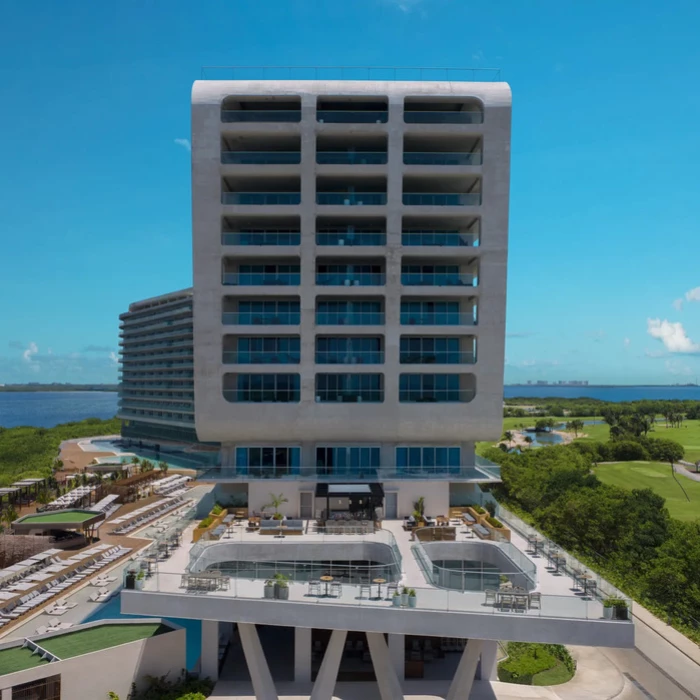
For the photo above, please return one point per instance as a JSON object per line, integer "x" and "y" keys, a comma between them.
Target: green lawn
{"x": 18, "y": 659}
{"x": 657, "y": 477}
{"x": 553, "y": 676}
{"x": 80, "y": 642}
{"x": 72, "y": 516}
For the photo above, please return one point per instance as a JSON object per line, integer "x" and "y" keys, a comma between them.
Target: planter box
{"x": 480, "y": 518}
{"x": 199, "y": 532}
{"x": 607, "y": 613}
{"x": 412, "y": 601}
{"x": 503, "y": 531}
{"x": 269, "y": 591}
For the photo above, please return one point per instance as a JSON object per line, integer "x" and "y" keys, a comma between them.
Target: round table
{"x": 327, "y": 580}
{"x": 379, "y": 582}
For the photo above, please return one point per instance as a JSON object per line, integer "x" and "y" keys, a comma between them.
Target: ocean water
{"x": 606, "y": 393}
{"x": 48, "y": 408}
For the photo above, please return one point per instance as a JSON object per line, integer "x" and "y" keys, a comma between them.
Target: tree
{"x": 508, "y": 436}
{"x": 575, "y": 425}
{"x": 9, "y": 515}
{"x": 528, "y": 440}
{"x": 163, "y": 466}
{"x": 670, "y": 451}
{"x": 135, "y": 460}
{"x": 43, "y": 497}
{"x": 275, "y": 502}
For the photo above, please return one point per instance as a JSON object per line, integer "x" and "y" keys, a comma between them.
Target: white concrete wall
{"x": 259, "y": 493}
{"x": 435, "y": 493}
{"x": 94, "y": 675}
{"x": 219, "y": 420}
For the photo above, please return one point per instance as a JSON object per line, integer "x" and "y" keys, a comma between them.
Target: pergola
{"x": 84, "y": 521}
{"x": 363, "y": 498}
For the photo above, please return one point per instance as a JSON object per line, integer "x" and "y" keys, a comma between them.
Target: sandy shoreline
{"x": 519, "y": 438}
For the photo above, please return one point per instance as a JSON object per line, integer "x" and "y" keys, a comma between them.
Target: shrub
{"x": 206, "y": 522}
{"x": 526, "y": 660}
{"x": 491, "y": 508}
{"x": 478, "y": 509}
{"x": 628, "y": 451}
{"x": 217, "y": 509}
{"x": 493, "y": 522}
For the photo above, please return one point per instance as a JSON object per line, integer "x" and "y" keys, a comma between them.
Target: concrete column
{"x": 263, "y": 685}
{"x": 387, "y": 680}
{"x": 328, "y": 673}
{"x": 463, "y": 680}
{"x": 6, "y": 694}
{"x": 396, "y": 652}
{"x": 302, "y": 654}
{"x": 209, "y": 664}
{"x": 488, "y": 670}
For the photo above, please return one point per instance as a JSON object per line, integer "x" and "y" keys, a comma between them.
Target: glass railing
{"x": 437, "y": 279}
{"x": 333, "y": 116}
{"x": 351, "y": 198}
{"x": 261, "y": 358}
{"x": 260, "y": 157}
{"x": 440, "y": 238}
{"x": 336, "y": 396}
{"x": 350, "y": 279}
{"x": 245, "y": 198}
{"x": 442, "y": 199}
{"x": 446, "y": 318}
{"x": 437, "y": 358}
{"x": 221, "y": 585}
{"x": 351, "y": 239}
{"x": 176, "y": 407}
{"x": 259, "y": 238}
{"x": 261, "y": 115}
{"x": 261, "y": 279}
{"x": 349, "y": 318}
{"x": 350, "y": 357}
{"x": 430, "y": 117}
{"x": 281, "y": 318}
{"x": 181, "y": 418}
{"x": 351, "y": 158}
{"x": 436, "y": 395}
{"x": 422, "y": 158}
{"x": 260, "y": 396}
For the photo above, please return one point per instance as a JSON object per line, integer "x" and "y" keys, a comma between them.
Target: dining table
{"x": 327, "y": 580}
{"x": 379, "y": 582}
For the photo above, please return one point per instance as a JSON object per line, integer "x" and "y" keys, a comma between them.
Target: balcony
{"x": 437, "y": 318}
{"x": 351, "y": 198}
{"x": 261, "y": 279}
{"x": 279, "y": 318}
{"x": 351, "y": 238}
{"x": 440, "y": 239}
{"x": 437, "y": 279}
{"x": 422, "y": 158}
{"x": 249, "y": 357}
{"x": 351, "y": 157}
{"x": 260, "y": 198}
{"x": 260, "y": 157}
{"x": 343, "y": 110}
{"x": 349, "y": 318}
{"x": 350, "y": 357}
{"x": 261, "y": 388}
{"x": 436, "y": 388}
{"x": 261, "y": 238}
{"x": 350, "y": 279}
{"x": 349, "y": 388}
{"x": 431, "y": 117}
{"x": 442, "y": 199}
{"x": 261, "y": 115}
{"x": 448, "y": 110}
{"x": 437, "y": 358}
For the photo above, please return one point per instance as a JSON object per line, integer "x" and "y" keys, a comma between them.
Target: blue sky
{"x": 603, "y": 281}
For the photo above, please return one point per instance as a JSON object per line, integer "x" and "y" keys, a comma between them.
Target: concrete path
{"x": 682, "y": 469}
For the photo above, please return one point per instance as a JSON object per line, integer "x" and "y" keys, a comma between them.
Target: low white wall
{"x": 93, "y": 676}
{"x": 260, "y": 492}
{"x": 435, "y": 493}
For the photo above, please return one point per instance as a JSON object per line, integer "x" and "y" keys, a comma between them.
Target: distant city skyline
{"x": 602, "y": 282}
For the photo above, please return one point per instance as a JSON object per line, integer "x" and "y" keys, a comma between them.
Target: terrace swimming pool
{"x": 178, "y": 457}
{"x": 112, "y": 611}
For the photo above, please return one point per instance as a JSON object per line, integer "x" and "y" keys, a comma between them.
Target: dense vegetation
{"x": 536, "y": 664}
{"x": 185, "y": 687}
{"x": 627, "y": 535}
{"x": 595, "y": 408}
{"x": 58, "y": 387}
{"x": 31, "y": 452}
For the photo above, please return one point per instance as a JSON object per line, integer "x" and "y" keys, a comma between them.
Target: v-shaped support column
{"x": 462, "y": 683}
{"x": 263, "y": 685}
{"x": 328, "y": 673}
{"x": 384, "y": 670}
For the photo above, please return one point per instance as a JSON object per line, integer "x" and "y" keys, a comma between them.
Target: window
{"x": 347, "y": 461}
{"x": 428, "y": 460}
{"x": 261, "y": 312}
{"x": 350, "y": 388}
{"x": 429, "y": 387}
{"x": 268, "y": 461}
{"x": 44, "y": 689}
{"x": 349, "y": 350}
{"x": 429, "y": 350}
{"x": 268, "y": 388}
{"x": 349, "y": 313}
{"x": 268, "y": 350}
{"x": 438, "y": 313}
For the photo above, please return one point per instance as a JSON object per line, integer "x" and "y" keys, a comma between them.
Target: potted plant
{"x": 276, "y": 502}
{"x": 412, "y": 599}
{"x": 281, "y": 587}
{"x": 269, "y": 589}
{"x": 396, "y": 599}
{"x": 140, "y": 580}
{"x": 608, "y": 608}
{"x": 404, "y": 597}
{"x": 620, "y": 607}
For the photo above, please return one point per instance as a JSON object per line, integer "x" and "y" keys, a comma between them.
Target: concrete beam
{"x": 302, "y": 654}
{"x": 397, "y": 645}
{"x": 488, "y": 666}
{"x": 209, "y": 660}
{"x": 328, "y": 673}
{"x": 263, "y": 685}
{"x": 463, "y": 680}
{"x": 387, "y": 680}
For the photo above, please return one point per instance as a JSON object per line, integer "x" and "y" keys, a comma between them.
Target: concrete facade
{"x": 222, "y": 203}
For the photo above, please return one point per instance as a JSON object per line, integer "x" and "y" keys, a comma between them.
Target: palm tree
{"x": 276, "y": 502}
{"x": 575, "y": 425}
{"x": 163, "y": 466}
{"x": 528, "y": 440}
{"x": 508, "y": 436}
{"x": 9, "y": 515}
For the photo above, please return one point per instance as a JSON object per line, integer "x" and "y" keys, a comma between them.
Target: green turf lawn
{"x": 80, "y": 642}
{"x": 18, "y": 659}
{"x": 553, "y": 676}
{"x": 72, "y": 516}
{"x": 657, "y": 477}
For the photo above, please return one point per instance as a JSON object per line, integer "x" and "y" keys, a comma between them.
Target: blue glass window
{"x": 428, "y": 460}
{"x": 268, "y": 461}
{"x": 347, "y": 461}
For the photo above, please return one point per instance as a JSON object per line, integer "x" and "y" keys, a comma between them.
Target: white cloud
{"x": 693, "y": 294}
{"x": 655, "y": 354}
{"x": 113, "y": 357}
{"x": 31, "y": 350}
{"x": 677, "y": 367}
{"x": 678, "y": 304}
{"x": 626, "y": 342}
{"x": 672, "y": 335}
{"x": 185, "y": 143}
